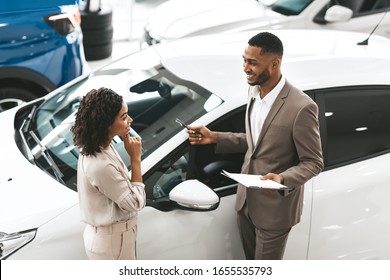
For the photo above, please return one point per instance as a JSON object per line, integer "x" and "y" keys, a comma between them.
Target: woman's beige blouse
{"x": 106, "y": 194}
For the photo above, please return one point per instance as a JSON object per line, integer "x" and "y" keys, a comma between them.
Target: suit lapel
{"x": 278, "y": 104}
{"x": 248, "y": 124}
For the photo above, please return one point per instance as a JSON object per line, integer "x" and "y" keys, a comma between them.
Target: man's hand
{"x": 274, "y": 177}
{"x": 200, "y": 135}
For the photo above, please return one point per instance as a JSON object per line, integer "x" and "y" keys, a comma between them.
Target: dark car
{"x": 40, "y": 48}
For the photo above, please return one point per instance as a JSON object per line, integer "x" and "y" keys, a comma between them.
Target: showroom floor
{"x": 129, "y": 18}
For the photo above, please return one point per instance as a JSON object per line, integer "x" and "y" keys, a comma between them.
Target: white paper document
{"x": 254, "y": 181}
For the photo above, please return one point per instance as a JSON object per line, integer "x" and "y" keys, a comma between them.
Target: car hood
{"x": 179, "y": 18}
{"x": 29, "y": 197}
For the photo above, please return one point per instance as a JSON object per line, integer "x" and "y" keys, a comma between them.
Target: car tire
{"x": 13, "y": 96}
{"x": 98, "y": 36}
{"x": 98, "y": 33}
{"x": 96, "y": 20}
{"x": 97, "y": 52}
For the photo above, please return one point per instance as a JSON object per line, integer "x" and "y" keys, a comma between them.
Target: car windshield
{"x": 290, "y": 7}
{"x": 155, "y": 98}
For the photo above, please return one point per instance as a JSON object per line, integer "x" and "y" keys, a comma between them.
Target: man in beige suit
{"x": 282, "y": 140}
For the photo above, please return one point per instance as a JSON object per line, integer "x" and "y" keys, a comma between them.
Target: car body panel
{"x": 32, "y": 43}
{"x": 216, "y": 239}
{"x": 60, "y": 238}
{"x": 364, "y": 194}
{"x": 29, "y": 209}
{"x": 175, "y": 19}
{"x": 39, "y": 52}
{"x": 327, "y": 49}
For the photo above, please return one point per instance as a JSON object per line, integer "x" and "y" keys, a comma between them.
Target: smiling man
{"x": 282, "y": 140}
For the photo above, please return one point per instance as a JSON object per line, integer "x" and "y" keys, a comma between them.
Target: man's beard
{"x": 261, "y": 79}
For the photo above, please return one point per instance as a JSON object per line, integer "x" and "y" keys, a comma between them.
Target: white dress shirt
{"x": 261, "y": 108}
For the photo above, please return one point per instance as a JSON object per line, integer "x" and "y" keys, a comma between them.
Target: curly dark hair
{"x": 269, "y": 43}
{"x": 97, "y": 111}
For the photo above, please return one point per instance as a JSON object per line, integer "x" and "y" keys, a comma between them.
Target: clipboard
{"x": 254, "y": 181}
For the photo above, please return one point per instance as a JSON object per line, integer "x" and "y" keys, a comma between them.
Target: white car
{"x": 190, "y": 205}
{"x": 175, "y": 19}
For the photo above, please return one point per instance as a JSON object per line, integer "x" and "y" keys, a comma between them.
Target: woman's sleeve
{"x": 129, "y": 196}
{"x": 136, "y": 199}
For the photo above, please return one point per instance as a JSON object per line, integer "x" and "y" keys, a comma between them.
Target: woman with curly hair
{"x": 109, "y": 197}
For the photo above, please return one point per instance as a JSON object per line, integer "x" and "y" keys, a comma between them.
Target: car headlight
{"x": 9, "y": 243}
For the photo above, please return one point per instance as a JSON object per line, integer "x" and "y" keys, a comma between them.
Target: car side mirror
{"x": 338, "y": 13}
{"x": 194, "y": 195}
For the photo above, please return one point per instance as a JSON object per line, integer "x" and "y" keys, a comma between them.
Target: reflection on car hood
{"x": 179, "y": 18}
{"x": 30, "y": 197}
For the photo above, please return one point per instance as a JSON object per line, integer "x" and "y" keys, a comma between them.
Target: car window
{"x": 355, "y": 123}
{"x": 290, "y": 7}
{"x": 381, "y": 5}
{"x": 362, "y": 7}
{"x": 155, "y": 98}
{"x": 197, "y": 162}
{"x": 358, "y": 7}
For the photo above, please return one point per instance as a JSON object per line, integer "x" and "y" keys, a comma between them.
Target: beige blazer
{"x": 289, "y": 144}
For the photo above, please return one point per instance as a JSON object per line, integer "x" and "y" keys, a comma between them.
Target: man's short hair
{"x": 268, "y": 42}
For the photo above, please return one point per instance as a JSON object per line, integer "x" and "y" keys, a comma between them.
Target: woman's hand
{"x": 133, "y": 146}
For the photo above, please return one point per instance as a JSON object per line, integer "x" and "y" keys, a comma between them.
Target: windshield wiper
{"x": 24, "y": 129}
{"x": 27, "y": 122}
{"x": 48, "y": 158}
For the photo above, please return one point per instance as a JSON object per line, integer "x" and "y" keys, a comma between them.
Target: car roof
{"x": 312, "y": 59}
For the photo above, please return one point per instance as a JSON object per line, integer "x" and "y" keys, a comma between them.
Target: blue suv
{"x": 40, "y": 48}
